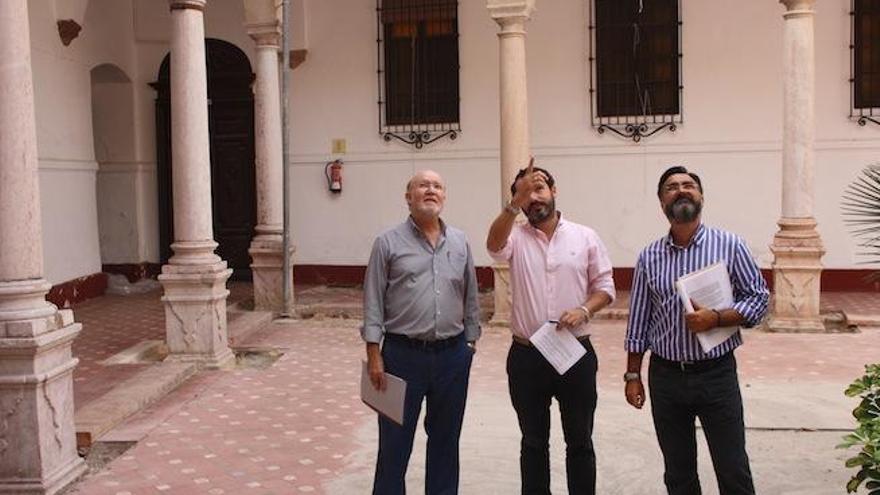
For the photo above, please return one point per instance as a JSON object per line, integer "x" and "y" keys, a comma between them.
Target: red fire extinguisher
{"x": 333, "y": 171}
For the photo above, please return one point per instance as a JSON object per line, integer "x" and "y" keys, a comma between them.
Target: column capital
{"x": 187, "y": 4}
{"x": 510, "y": 12}
{"x": 266, "y": 34}
{"x": 798, "y": 6}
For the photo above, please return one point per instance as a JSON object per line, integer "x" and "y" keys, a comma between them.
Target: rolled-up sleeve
{"x": 503, "y": 255}
{"x": 599, "y": 269}
{"x": 375, "y": 281}
{"x": 639, "y": 311}
{"x": 472, "y": 330}
{"x": 750, "y": 293}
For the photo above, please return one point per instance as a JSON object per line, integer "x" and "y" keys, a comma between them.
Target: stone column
{"x": 267, "y": 250}
{"x": 797, "y": 247}
{"x": 194, "y": 278}
{"x": 37, "y": 435}
{"x": 511, "y": 16}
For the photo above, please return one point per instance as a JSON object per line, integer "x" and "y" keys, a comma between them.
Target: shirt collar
{"x": 698, "y": 239}
{"x": 418, "y": 230}
{"x": 560, "y": 225}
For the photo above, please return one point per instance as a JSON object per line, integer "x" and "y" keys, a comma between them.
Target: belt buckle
{"x": 684, "y": 366}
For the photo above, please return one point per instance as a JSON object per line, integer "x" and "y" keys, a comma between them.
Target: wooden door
{"x": 233, "y": 182}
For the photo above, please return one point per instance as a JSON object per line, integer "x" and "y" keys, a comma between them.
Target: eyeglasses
{"x": 684, "y": 186}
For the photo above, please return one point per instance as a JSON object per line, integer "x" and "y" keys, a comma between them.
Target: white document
{"x": 388, "y": 403}
{"x": 709, "y": 288}
{"x": 559, "y": 347}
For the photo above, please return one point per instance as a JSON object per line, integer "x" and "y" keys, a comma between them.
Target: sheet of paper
{"x": 388, "y": 403}
{"x": 559, "y": 347}
{"x": 709, "y": 288}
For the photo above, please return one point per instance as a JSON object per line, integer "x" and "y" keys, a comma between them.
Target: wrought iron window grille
{"x": 635, "y": 63}
{"x": 864, "y": 48}
{"x": 418, "y": 70}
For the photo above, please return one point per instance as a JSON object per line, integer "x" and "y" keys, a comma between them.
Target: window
{"x": 865, "y": 48}
{"x": 635, "y": 66}
{"x": 418, "y": 70}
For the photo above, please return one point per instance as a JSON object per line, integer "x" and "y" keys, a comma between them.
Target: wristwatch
{"x": 513, "y": 210}
{"x": 630, "y": 376}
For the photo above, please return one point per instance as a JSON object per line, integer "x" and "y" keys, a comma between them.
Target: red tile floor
{"x": 113, "y": 323}
{"x": 289, "y": 428}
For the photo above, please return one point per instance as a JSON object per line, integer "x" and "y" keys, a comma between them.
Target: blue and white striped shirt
{"x": 656, "y": 313}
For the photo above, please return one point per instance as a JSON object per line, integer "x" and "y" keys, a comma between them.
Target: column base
{"x": 55, "y": 484}
{"x": 25, "y": 300}
{"x": 501, "y": 314}
{"x": 797, "y": 269}
{"x": 195, "y": 313}
{"x": 795, "y": 325}
{"x": 37, "y": 434}
{"x": 267, "y": 268}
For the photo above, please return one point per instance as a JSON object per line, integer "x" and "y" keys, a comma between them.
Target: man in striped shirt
{"x": 685, "y": 381}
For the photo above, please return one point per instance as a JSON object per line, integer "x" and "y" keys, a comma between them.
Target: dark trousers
{"x": 439, "y": 376}
{"x": 713, "y": 395}
{"x": 533, "y": 382}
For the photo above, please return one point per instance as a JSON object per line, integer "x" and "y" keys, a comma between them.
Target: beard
{"x": 538, "y": 212}
{"x": 426, "y": 209}
{"x": 683, "y": 210}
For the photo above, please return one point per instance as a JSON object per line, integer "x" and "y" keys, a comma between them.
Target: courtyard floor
{"x": 296, "y": 424}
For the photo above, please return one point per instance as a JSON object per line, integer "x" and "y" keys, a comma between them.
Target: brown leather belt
{"x": 528, "y": 343}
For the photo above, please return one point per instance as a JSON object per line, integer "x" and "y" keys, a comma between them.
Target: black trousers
{"x": 533, "y": 382}
{"x": 711, "y": 394}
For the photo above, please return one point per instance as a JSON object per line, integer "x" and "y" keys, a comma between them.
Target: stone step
{"x": 243, "y": 324}
{"x": 102, "y": 414}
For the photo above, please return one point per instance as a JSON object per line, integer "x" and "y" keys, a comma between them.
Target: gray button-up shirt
{"x": 423, "y": 292}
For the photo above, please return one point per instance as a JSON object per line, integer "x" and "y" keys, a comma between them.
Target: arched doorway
{"x": 118, "y": 182}
{"x": 231, "y": 126}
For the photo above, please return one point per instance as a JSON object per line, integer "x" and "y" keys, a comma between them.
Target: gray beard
{"x": 541, "y": 213}
{"x": 683, "y": 210}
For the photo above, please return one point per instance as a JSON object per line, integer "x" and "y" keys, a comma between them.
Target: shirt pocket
{"x": 455, "y": 267}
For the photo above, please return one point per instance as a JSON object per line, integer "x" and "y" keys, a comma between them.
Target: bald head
{"x": 423, "y": 175}
{"x": 425, "y": 193}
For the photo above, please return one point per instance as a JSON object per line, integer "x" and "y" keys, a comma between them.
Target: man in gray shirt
{"x": 420, "y": 295}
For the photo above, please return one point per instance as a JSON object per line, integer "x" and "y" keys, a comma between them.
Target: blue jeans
{"x": 439, "y": 376}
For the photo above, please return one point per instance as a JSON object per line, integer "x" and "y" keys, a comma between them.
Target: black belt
{"x": 422, "y": 343}
{"x": 692, "y": 366}
{"x": 528, "y": 343}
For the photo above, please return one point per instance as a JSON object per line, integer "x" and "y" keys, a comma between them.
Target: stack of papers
{"x": 559, "y": 347}
{"x": 709, "y": 288}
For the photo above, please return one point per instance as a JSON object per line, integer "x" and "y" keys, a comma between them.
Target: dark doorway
{"x": 231, "y": 126}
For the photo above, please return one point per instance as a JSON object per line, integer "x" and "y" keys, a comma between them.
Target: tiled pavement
{"x": 298, "y": 426}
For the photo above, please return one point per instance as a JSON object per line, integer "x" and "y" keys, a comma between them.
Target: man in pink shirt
{"x": 559, "y": 271}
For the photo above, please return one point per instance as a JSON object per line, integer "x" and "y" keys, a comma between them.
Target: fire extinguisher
{"x": 333, "y": 172}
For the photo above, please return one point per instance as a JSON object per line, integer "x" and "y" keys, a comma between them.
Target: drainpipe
{"x": 287, "y": 269}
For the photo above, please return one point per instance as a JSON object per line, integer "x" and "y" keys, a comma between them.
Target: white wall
{"x": 731, "y": 134}
{"x": 62, "y": 94}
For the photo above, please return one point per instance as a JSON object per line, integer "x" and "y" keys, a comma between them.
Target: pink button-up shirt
{"x": 548, "y": 277}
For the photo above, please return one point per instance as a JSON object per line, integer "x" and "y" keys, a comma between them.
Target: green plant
{"x": 861, "y": 210}
{"x": 861, "y": 207}
{"x": 867, "y": 433}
